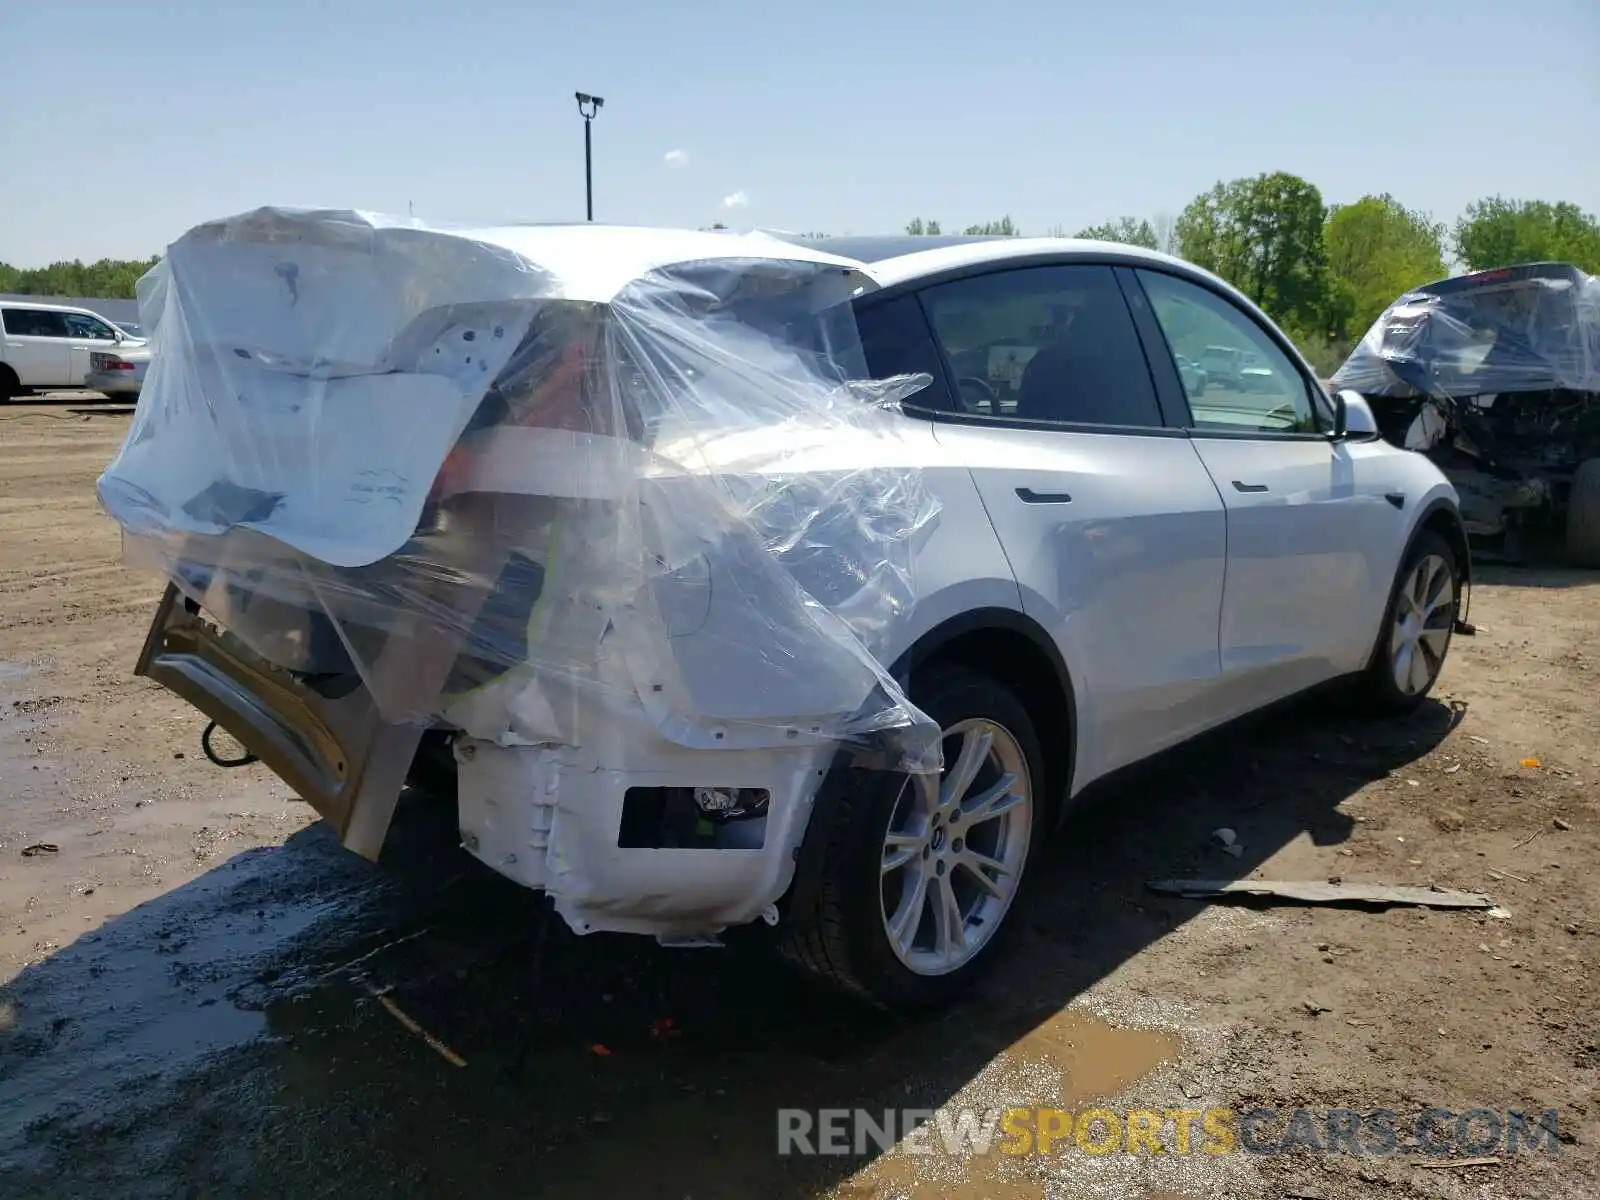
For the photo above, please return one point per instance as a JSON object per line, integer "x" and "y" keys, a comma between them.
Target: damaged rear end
{"x": 532, "y": 494}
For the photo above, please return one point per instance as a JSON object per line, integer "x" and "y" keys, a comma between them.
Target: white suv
{"x": 52, "y": 346}
{"x": 1116, "y": 565}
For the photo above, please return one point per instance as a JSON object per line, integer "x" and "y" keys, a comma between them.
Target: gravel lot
{"x": 187, "y": 984}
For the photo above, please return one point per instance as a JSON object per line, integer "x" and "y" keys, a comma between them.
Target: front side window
{"x": 35, "y": 322}
{"x": 80, "y": 325}
{"x": 1050, "y": 344}
{"x": 1235, "y": 376}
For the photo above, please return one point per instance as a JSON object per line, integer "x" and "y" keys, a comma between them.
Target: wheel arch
{"x": 1443, "y": 517}
{"x": 977, "y": 639}
{"x": 1015, "y": 649}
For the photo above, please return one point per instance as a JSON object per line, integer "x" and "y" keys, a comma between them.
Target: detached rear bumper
{"x": 336, "y": 752}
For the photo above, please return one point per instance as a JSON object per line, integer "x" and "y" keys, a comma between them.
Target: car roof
{"x": 1520, "y": 273}
{"x": 901, "y": 258}
{"x": 71, "y": 308}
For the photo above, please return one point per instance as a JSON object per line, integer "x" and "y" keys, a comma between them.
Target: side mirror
{"x": 1352, "y": 415}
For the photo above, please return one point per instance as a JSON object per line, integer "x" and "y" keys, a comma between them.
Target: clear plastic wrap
{"x": 1528, "y": 328}
{"x": 616, "y": 473}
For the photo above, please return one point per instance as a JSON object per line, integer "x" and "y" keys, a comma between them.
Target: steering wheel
{"x": 976, "y": 393}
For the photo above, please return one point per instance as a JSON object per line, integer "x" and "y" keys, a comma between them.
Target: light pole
{"x": 588, "y": 106}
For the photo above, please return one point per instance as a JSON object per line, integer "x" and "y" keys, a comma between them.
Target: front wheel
{"x": 1415, "y": 636}
{"x": 919, "y": 876}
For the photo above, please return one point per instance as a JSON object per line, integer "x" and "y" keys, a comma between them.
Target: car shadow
{"x": 256, "y": 1031}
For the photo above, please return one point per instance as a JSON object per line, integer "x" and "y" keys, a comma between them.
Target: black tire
{"x": 1583, "y": 515}
{"x": 841, "y": 939}
{"x": 1379, "y": 690}
{"x": 10, "y": 385}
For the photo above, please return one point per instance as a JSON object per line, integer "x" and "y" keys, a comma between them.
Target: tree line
{"x": 1326, "y": 272}
{"x": 108, "y": 279}
{"x": 1323, "y": 271}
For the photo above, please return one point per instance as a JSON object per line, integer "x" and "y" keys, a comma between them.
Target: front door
{"x": 1304, "y": 515}
{"x": 86, "y": 336}
{"x": 1111, "y": 524}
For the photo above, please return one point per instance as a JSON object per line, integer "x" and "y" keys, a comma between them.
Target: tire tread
{"x": 1583, "y": 515}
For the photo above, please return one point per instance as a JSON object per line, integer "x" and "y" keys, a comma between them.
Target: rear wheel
{"x": 10, "y": 385}
{"x": 1583, "y": 515}
{"x": 1415, "y": 636}
{"x": 920, "y": 877}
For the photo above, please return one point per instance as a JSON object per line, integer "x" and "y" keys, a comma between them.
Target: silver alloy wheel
{"x": 1423, "y": 615}
{"x": 953, "y": 855}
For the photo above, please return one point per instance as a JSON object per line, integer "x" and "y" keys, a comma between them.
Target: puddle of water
{"x": 1095, "y": 1059}
{"x": 153, "y": 992}
{"x": 1090, "y": 1061}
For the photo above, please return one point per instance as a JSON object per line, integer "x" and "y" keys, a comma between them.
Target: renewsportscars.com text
{"x": 1214, "y": 1131}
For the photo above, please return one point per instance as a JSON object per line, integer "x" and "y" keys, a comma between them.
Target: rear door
{"x": 1309, "y": 522}
{"x": 37, "y": 347}
{"x": 86, "y": 335}
{"x": 1112, "y": 526}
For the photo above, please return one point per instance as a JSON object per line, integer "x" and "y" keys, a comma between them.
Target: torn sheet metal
{"x": 555, "y": 449}
{"x": 1312, "y": 891}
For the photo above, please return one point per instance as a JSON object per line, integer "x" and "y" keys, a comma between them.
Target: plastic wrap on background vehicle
{"x": 524, "y": 479}
{"x": 1528, "y": 328}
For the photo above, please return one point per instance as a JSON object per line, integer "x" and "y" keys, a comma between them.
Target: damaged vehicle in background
{"x": 728, "y": 579}
{"x": 1496, "y": 377}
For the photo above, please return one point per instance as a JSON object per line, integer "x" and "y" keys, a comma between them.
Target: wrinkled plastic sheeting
{"x": 1518, "y": 329}
{"x": 524, "y": 480}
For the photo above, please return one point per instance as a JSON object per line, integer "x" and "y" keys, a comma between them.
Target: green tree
{"x": 1265, "y": 236}
{"x": 917, "y": 227}
{"x": 107, "y": 279}
{"x": 1377, "y": 249}
{"x": 1004, "y": 227}
{"x": 1496, "y": 232}
{"x": 1129, "y": 230}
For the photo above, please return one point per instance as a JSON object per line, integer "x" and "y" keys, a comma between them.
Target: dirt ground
{"x": 190, "y": 981}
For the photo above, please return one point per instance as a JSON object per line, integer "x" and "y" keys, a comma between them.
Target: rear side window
{"x": 1052, "y": 344}
{"x": 35, "y": 322}
{"x": 896, "y": 341}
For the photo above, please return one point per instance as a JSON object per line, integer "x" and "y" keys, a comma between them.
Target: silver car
{"x": 119, "y": 372}
{"x": 1083, "y": 564}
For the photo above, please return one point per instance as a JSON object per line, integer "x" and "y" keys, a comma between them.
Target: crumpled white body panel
{"x": 549, "y": 445}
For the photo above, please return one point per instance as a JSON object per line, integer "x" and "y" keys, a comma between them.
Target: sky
{"x": 128, "y": 123}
